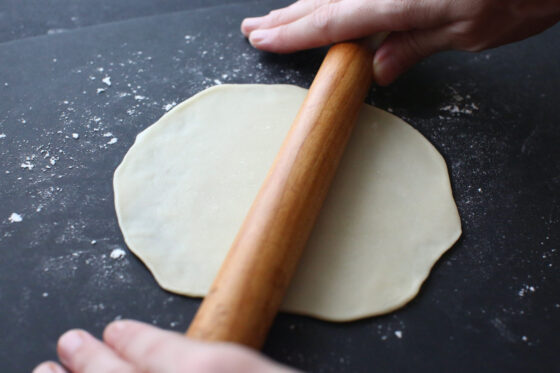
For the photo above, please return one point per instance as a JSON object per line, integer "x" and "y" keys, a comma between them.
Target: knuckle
{"x": 402, "y": 10}
{"x": 274, "y": 17}
{"x": 322, "y": 19}
{"x": 274, "y": 14}
{"x": 465, "y": 38}
{"x": 281, "y": 35}
{"x": 415, "y": 48}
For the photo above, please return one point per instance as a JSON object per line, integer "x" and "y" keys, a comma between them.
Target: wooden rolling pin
{"x": 255, "y": 275}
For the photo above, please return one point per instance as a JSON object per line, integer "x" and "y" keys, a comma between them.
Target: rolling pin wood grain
{"x": 249, "y": 288}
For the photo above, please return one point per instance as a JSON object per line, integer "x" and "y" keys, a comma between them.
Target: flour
{"x": 526, "y": 289}
{"x": 107, "y": 81}
{"x": 27, "y": 165}
{"x": 169, "y": 106}
{"x": 459, "y": 105}
{"x": 117, "y": 253}
{"x": 15, "y": 218}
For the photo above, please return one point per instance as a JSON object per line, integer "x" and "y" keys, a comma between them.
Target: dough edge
{"x": 350, "y": 316}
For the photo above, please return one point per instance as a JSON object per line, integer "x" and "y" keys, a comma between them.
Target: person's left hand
{"x": 131, "y": 346}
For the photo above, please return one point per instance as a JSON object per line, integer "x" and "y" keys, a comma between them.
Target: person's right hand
{"x": 418, "y": 28}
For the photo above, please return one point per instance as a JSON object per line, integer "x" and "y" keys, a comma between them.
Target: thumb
{"x": 401, "y": 50}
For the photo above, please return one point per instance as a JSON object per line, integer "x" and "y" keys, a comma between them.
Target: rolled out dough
{"x": 184, "y": 187}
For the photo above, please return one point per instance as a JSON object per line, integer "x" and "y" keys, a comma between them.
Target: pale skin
{"x": 133, "y": 347}
{"x": 418, "y": 29}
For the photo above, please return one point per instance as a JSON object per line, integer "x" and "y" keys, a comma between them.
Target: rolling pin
{"x": 248, "y": 290}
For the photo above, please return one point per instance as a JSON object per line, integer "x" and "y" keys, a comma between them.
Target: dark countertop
{"x": 491, "y": 304}
{"x": 25, "y": 18}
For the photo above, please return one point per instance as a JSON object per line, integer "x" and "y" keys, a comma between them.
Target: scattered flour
{"x": 117, "y": 254}
{"x": 15, "y": 218}
{"x": 75, "y": 135}
{"x": 169, "y": 106}
{"x": 27, "y": 165}
{"x": 107, "y": 81}
{"x": 2, "y": 135}
{"x": 53, "y": 31}
{"x": 455, "y": 109}
{"x": 112, "y": 141}
{"x": 525, "y": 290}
{"x": 459, "y": 105}
{"x": 398, "y": 334}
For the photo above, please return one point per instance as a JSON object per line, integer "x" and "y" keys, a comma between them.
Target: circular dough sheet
{"x": 185, "y": 186}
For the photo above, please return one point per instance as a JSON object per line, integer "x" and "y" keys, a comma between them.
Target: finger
{"x": 402, "y": 50}
{"x": 147, "y": 347}
{"x": 49, "y": 367}
{"x": 80, "y": 352}
{"x": 280, "y": 16}
{"x": 345, "y": 20}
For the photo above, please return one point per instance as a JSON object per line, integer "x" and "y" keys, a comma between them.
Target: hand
{"x": 418, "y": 28}
{"x": 131, "y": 346}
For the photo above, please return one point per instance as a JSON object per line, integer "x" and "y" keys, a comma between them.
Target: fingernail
{"x": 48, "y": 367}
{"x": 114, "y": 329}
{"x": 69, "y": 343}
{"x": 258, "y": 37}
{"x": 249, "y": 24}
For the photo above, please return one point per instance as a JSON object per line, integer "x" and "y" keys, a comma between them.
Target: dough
{"x": 185, "y": 186}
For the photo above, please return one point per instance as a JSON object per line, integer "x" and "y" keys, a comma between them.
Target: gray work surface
{"x": 491, "y": 304}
